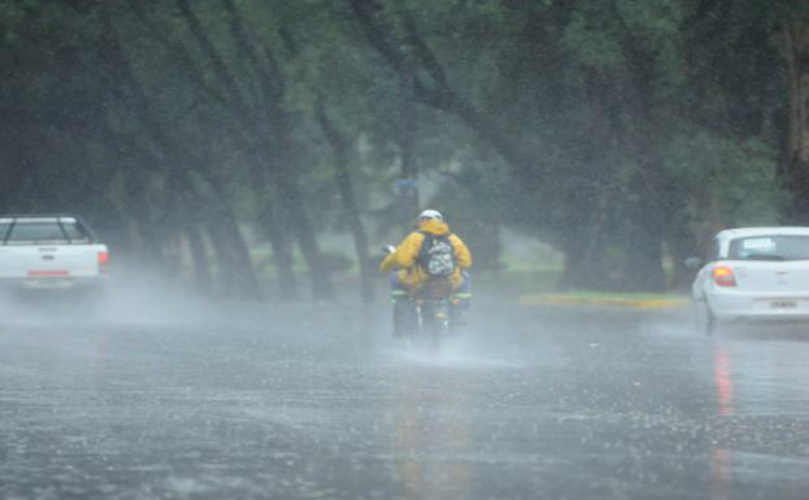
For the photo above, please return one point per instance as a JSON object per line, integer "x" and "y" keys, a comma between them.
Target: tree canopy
{"x": 622, "y": 132}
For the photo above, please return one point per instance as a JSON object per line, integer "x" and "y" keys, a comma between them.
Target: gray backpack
{"x": 437, "y": 255}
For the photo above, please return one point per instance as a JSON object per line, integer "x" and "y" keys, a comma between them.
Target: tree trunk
{"x": 407, "y": 185}
{"x": 203, "y": 280}
{"x": 340, "y": 147}
{"x": 649, "y": 213}
{"x": 225, "y": 283}
{"x": 301, "y": 226}
{"x": 244, "y": 276}
{"x": 277, "y": 231}
{"x": 796, "y": 170}
{"x": 643, "y": 264}
{"x": 281, "y": 242}
{"x": 584, "y": 250}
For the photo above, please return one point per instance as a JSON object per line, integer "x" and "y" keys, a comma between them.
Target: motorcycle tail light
{"x": 723, "y": 276}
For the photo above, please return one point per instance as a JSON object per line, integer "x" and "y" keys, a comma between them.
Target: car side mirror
{"x": 693, "y": 263}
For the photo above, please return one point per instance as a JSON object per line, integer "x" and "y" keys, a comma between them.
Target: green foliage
{"x": 574, "y": 118}
{"x": 591, "y": 44}
{"x": 740, "y": 177}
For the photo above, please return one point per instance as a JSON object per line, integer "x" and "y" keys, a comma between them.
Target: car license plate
{"x": 783, "y": 304}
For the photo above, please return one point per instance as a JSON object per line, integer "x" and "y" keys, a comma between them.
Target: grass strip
{"x": 638, "y": 301}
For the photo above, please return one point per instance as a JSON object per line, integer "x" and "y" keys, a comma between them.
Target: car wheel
{"x": 704, "y": 319}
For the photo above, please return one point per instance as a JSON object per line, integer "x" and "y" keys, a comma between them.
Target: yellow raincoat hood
{"x": 434, "y": 226}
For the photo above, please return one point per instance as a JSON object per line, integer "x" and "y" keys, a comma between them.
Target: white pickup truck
{"x": 50, "y": 252}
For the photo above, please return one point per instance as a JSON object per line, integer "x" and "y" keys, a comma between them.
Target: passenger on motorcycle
{"x": 430, "y": 252}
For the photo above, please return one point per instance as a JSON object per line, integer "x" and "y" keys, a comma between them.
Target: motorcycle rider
{"x": 412, "y": 274}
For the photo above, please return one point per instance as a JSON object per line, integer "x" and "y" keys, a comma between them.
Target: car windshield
{"x": 772, "y": 247}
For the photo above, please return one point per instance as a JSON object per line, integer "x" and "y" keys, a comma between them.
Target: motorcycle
{"x": 427, "y": 314}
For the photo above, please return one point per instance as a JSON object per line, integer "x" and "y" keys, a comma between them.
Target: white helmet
{"x": 431, "y": 214}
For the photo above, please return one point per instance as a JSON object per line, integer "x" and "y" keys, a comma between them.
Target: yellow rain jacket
{"x": 410, "y": 274}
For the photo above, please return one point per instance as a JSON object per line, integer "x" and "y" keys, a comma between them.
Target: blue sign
{"x": 406, "y": 184}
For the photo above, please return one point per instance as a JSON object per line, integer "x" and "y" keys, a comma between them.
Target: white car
{"x": 753, "y": 274}
{"x": 41, "y": 253}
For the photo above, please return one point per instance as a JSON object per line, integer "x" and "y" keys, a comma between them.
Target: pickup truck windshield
{"x": 775, "y": 247}
{"x": 41, "y": 231}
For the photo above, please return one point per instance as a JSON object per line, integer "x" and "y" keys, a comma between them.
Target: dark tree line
{"x": 623, "y": 132}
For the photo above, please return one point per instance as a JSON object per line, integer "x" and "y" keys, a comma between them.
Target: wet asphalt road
{"x": 316, "y": 402}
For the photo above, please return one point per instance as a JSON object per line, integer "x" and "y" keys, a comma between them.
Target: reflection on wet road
{"x": 317, "y": 402}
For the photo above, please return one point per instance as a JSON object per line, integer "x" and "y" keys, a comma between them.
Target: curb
{"x": 535, "y": 300}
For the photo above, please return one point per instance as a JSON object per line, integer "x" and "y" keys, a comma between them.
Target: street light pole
{"x": 407, "y": 184}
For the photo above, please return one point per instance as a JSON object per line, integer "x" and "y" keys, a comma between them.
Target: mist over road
{"x": 315, "y": 401}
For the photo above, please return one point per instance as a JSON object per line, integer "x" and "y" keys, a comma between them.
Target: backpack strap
{"x": 426, "y": 243}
